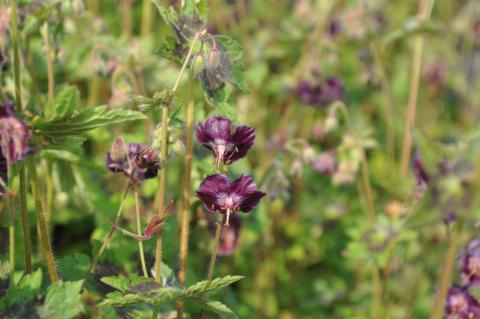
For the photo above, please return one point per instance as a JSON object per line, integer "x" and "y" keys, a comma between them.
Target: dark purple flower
{"x": 219, "y": 194}
{"x": 421, "y": 176}
{"x": 335, "y": 27}
{"x": 227, "y": 147}
{"x": 320, "y": 95}
{"x": 470, "y": 264}
{"x": 230, "y": 234}
{"x": 134, "y": 160}
{"x": 14, "y": 134}
{"x": 460, "y": 304}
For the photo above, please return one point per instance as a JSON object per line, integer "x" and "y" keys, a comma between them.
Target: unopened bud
{"x": 331, "y": 123}
{"x": 117, "y": 151}
{"x": 212, "y": 60}
{"x": 197, "y": 64}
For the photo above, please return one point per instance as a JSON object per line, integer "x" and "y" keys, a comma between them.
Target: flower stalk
{"x": 139, "y": 232}
{"x": 186, "y": 198}
{"x": 163, "y": 161}
{"x": 22, "y": 180}
{"x": 107, "y": 240}
{"x": 446, "y": 274}
{"x": 42, "y": 223}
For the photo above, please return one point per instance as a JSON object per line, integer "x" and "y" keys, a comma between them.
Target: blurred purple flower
{"x": 461, "y": 305}
{"x": 436, "y": 74}
{"x": 227, "y": 147}
{"x": 220, "y": 194}
{"x": 334, "y": 28}
{"x": 470, "y": 264}
{"x": 134, "y": 160}
{"x": 14, "y": 135}
{"x": 320, "y": 95}
{"x": 421, "y": 176}
{"x": 325, "y": 163}
{"x": 230, "y": 234}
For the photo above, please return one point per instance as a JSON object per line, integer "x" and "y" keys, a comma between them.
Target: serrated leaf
{"x": 121, "y": 282}
{"x": 62, "y": 300}
{"x": 206, "y": 286}
{"x": 216, "y": 306}
{"x": 84, "y": 121}
{"x": 64, "y": 104}
{"x": 168, "y": 14}
{"x": 73, "y": 267}
{"x": 152, "y": 297}
{"x": 224, "y": 103}
{"x": 25, "y": 290}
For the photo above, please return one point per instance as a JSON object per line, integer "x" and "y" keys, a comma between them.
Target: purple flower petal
{"x": 210, "y": 190}
{"x": 14, "y": 134}
{"x": 219, "y": 194}
{"x": 470, "y": 264}
{"x": 216, "y": 128}
{"x": 243, "y": 139}
{"x": 245, "y": 188}
{"x": 460, "y": 304}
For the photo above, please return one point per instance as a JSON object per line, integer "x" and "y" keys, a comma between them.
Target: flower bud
{"x": 212, "y": 60}
{"x": 331, "y": 123}
{"x": 117, "y": 151}
{"x": 197, "y": 64}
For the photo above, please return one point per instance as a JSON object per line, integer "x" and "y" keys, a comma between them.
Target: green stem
{"x": 139, "y": 232}
{"x": 146, "y": 25}
{"x": 50, "y": 74}
{"x": 11, "y": 236}
{"x": 216, "y": 243}
{"x": 187, "y": 180}
{"x": 106, "y": 242}
{"x": 424, "y": 12}
{"x": 25, "y": 221}
{"x": 163, "y": 162}
{"x": 41, "y": 219}
{"x": 446, "y": 274}
{"x": 16, "y": 59}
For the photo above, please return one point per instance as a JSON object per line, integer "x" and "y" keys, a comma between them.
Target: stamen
{"x": 228, "y": 218}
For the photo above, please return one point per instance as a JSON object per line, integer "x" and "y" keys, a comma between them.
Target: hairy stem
{"x": 11, "y": 236}
{"x": 216, "y": 243}
{"x": 186, "y": 193}
{"x": 446, "y": 274}
{"x": 107, "y": 240}
{"x": 139, "y": 232}
{"x": 25, "y": 221}
{"x": 16, "y": 58}
{"x": 18, "y": 99}
{"x": 163, "y": 162}
{"x": 50, "y": 74}
{"x": 42, "y": 223}
{"x": 146, "y": 25}
{"x": 424, "y": 13}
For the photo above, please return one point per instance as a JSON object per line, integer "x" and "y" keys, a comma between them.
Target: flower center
{"x": 459, "y": 304}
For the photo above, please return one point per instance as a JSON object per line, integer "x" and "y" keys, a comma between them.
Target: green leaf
{"x": 224, "y": 103}
{"x": 64, "y": 104}
{"x": 208, "y": 286}
{"x": 215, "y": 306}
{"x": 84, "y": 121}
{"x": 121, "y": 282}
{"x": 168, "y": 14}
{"x": 62, "y": 300}
{"x": 152, "y": 297}
{"x": 74, "y": 267}
{"x": 25, "y": 290}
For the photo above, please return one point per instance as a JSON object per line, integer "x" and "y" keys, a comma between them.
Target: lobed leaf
{"x": 62, "y": 300}
{"x": 206, "y": 286}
